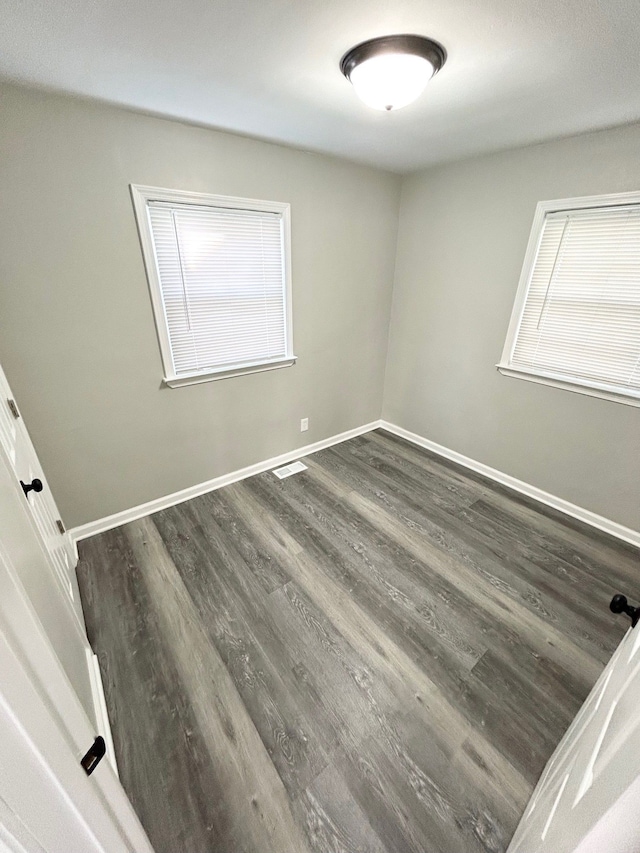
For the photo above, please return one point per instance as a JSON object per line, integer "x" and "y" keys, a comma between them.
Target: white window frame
{"x": 141, "y": 196}
{"x": 557, "y": 380}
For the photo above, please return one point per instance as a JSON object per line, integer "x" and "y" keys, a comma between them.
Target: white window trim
{"x": 558, "y": 380}
{"x": 141, "y": 196}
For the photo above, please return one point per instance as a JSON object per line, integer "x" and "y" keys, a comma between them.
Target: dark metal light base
{"x": 411, "y": 44}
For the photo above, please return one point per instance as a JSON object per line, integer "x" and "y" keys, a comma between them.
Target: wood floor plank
{"x": 526, "y": 550}
{"x": 451, "y": 477}
{"x": 335, "y": 822}
{"x": 377, "y": 655}
{"x": 409, "y": 680}
{"x": 523, "y": 744}
{"x": 473, "y": 619}
{"x": 371, "y": 568}
{"x": 500, "y": 593}
{"x": 427, "y": 484}
{"x": 229, "y": 606}
{"x": 600, "y": 562}
{"x": 257, "y": 807}
{"x": 156, "y": 736}
{"x": 507, "y": 536}
{"x": 518, "y": 580}
{"x": 601, "y": 545}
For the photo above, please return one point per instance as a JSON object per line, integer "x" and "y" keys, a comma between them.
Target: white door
{"x": 48, "y": 803}
{"x": 581, "y": 794}
{"x": 23, "y": 460}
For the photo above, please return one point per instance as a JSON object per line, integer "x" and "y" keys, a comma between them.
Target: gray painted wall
{"x": 78, "y": 341}
{"x": 463, "y": 232}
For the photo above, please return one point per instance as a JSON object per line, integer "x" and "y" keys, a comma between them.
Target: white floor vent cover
{"x": 288, "y": 470}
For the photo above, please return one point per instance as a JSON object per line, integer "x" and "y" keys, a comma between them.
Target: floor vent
{"x": 288, "y": 470}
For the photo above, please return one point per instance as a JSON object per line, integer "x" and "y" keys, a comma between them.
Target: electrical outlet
{"x": 304, "y": 424}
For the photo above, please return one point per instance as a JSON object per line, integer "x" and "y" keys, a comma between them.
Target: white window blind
{"x": 579, "y": 320}
{"x": 221, "y": 279}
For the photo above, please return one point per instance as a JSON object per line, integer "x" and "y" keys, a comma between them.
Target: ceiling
{"x": 518, "y": 71}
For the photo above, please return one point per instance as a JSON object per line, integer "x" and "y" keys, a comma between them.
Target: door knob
{"x": 33, "y": 486}
{"x": 619, "y": 604}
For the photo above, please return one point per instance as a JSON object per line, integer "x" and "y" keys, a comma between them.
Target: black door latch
{"x": 619, "y": 604}
{"x": 94, "y": 756}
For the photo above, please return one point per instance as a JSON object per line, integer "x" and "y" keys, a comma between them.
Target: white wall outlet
{"x": 304, "y": 424}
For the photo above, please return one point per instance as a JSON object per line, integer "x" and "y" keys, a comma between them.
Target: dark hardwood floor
{"x": 378, "y": 654}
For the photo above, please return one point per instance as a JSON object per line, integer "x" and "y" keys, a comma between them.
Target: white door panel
{"x": 21, "y": 545}
{"x": 596, "y": 763}
{"x": 14, "y": 835}
{"x": 23, "y": 461}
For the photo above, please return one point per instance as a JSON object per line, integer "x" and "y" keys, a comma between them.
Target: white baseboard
{"x": 626, "y": 534}
{"x": 585, "y": 515}
{"x": 100, "y": 706}
{"x": 118, "y": 518}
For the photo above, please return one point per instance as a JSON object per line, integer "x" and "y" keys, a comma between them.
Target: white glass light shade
{"x": 391, "y": 80}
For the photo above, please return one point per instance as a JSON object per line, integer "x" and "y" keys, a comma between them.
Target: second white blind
{"x": 582, "y": 313}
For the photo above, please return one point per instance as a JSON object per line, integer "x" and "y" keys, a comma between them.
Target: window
{"x": 220, "y": 282}
{"x": 576, "y": 319}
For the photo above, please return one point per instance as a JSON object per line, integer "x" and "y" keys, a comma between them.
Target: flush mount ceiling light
{"x": 391, "y": 72}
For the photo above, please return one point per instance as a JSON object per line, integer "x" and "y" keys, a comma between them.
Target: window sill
{"x": 228, "y": 372}
{"x": 605, "y": 392}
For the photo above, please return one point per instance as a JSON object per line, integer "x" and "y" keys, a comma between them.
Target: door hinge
{"x": 13, "y": 408}
{"x": 94, "y": 755}
{"x": 60, "y": 525}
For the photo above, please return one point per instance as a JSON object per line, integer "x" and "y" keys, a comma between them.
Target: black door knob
{"x": 33, "y": 486}
{"x": 619, "y": 604}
